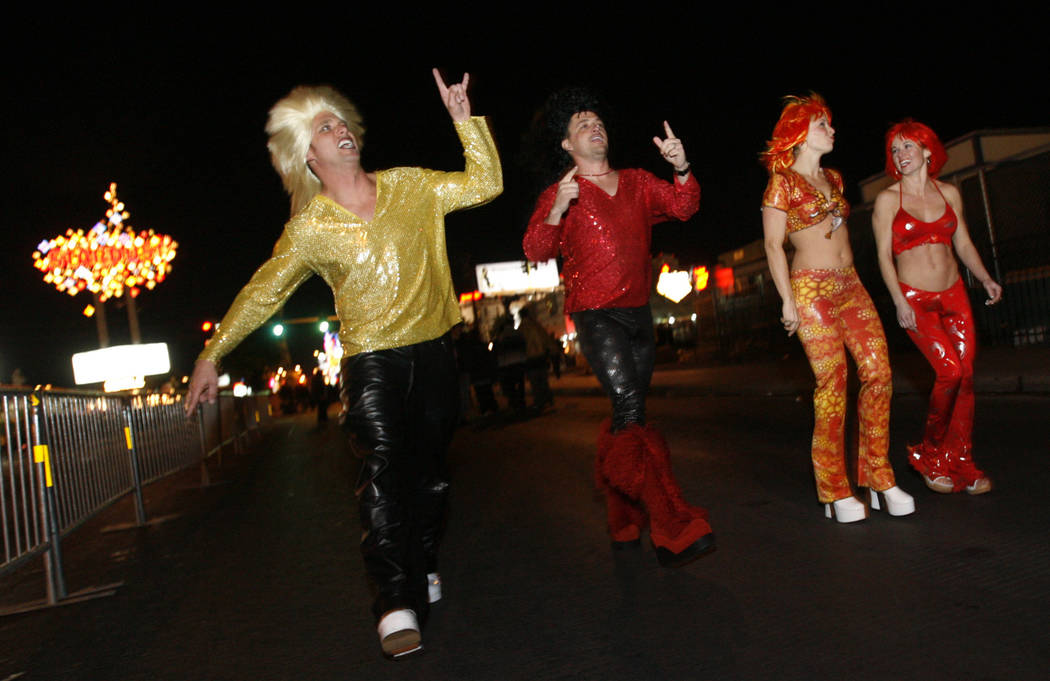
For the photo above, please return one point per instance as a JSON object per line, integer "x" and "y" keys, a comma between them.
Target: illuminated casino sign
{"x": 108, "y": 259}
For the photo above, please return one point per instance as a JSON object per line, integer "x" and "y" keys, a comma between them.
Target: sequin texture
{"x": 390, "y": 276}
{"x": 604, "y": 240}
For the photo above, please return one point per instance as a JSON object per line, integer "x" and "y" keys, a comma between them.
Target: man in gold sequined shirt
{"x": 378, "y": 240}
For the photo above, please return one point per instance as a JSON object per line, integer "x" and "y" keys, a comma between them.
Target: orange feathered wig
{"x": 791, "y": 130}
{"x": 916, "y": 132}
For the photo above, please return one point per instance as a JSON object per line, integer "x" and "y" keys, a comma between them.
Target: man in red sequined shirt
{"x": 599, "y": 220}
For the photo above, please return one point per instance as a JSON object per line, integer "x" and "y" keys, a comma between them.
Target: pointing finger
{"x": 466, "y": 79}
{"x": 568, "y": 175}
{"x": 667, "y": 129}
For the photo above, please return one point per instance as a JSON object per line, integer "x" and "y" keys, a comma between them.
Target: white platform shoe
{"x": 894, "y": 500}
{"x": 848, "y": 510}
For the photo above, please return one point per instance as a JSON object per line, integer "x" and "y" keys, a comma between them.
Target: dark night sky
{"x": 173, "y": 110}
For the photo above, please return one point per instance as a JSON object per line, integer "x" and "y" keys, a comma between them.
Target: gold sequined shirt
{"x": 390, "y": 276}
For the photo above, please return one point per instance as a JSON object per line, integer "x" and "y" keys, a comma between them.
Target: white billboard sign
{"x": 120, "y": 362}
{"x": 517, "y": 276}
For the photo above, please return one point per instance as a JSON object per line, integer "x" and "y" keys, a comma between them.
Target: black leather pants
{"x": 402, "y": 406}
{"x": 618, "y": 344}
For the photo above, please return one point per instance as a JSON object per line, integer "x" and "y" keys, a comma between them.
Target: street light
{"x": 278, "y": 330}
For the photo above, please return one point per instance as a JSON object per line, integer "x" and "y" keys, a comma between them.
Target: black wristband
{"x": 683, "y": 172}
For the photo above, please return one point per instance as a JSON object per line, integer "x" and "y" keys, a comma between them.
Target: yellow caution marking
{"x": 41, "y": 455}
{"x": 127, "y": 435}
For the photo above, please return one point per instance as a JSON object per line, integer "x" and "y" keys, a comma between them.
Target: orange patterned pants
{"x": 836, "y": 315}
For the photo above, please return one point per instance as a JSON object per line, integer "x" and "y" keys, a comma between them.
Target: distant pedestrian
{"x": 537, "y": 358}
{"x": 509, "y": 345}
{"x": 479, "y": 364}
{"x": 319, "y": 395}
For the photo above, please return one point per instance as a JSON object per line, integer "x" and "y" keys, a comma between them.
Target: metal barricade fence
{"x": 66, "y": 455}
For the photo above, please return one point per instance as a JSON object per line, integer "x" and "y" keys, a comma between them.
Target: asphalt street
{"x": 259, "y": 577}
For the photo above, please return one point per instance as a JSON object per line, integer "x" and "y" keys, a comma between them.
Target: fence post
{"x": 205, "y": 476}
{"x": 56, "y": 583}
{"x": 136, "y": 476}
{"x": 983, "y": 183}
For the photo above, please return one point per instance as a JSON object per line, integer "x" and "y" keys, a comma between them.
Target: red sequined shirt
{"x": 604, "y": 240}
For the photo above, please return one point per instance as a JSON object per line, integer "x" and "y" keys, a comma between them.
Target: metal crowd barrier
{"x": 66, "y": 455}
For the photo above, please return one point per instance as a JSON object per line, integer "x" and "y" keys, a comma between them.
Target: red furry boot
{"x": 636, "y": 464}
{"x": 679, "y": 532}
{"x": 626, "y": 518}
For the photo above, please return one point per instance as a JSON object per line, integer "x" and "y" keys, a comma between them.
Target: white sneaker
{"x": 433, "y": 587}
{"x": 848, "y": 510}
{"x": 896, "y": 500}
{"x": 399, "y": 633}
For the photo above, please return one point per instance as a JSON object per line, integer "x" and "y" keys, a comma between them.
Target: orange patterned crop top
{"x": 804, "y": 204}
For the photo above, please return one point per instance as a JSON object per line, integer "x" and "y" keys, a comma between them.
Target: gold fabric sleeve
{"x": 390, "y": 276}
{"x": 777, "y": 193}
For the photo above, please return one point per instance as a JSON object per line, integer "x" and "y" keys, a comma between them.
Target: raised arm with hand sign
{"x": 454, "y": 96}
{"x": 672, "y": 150}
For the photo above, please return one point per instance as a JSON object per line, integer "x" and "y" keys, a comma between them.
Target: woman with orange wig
{"x": 931, "y": 299}
{"x": 825, "y": 302}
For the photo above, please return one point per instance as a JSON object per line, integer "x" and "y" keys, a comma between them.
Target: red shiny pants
{"x": 836, "y": 314}
{"x": 947, "y": 338}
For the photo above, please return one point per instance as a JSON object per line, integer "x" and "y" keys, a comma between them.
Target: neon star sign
{"x": 109, "y": 259}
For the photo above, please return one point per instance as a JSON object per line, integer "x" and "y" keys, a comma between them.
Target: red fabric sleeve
{"x": 543, "y": 241}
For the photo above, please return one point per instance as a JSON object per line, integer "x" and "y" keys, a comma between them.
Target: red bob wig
{"x": 791, "y": 130}
{"x": 916, "y": 132}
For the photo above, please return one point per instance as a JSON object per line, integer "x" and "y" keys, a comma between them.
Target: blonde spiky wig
{"x": 290, "y": 130}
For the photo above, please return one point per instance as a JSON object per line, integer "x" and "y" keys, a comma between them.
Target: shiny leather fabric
{"x": 618, "y": 344}
{"x": 947, "y": 337}
{"x": 402, "y": 406}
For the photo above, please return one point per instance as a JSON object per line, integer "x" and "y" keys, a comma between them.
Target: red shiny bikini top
{"x": 909, "y": 231}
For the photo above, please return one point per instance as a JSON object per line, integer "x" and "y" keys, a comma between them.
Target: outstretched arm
{"x": 673, "y": 152}
{"x": 261, "y": 297}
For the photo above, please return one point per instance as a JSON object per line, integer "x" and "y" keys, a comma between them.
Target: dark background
{"x": 172, "y": 108}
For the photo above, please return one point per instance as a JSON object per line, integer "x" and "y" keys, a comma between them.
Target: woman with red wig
{"x": 825, "y": 302}
{"x": 918, "y": 221}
